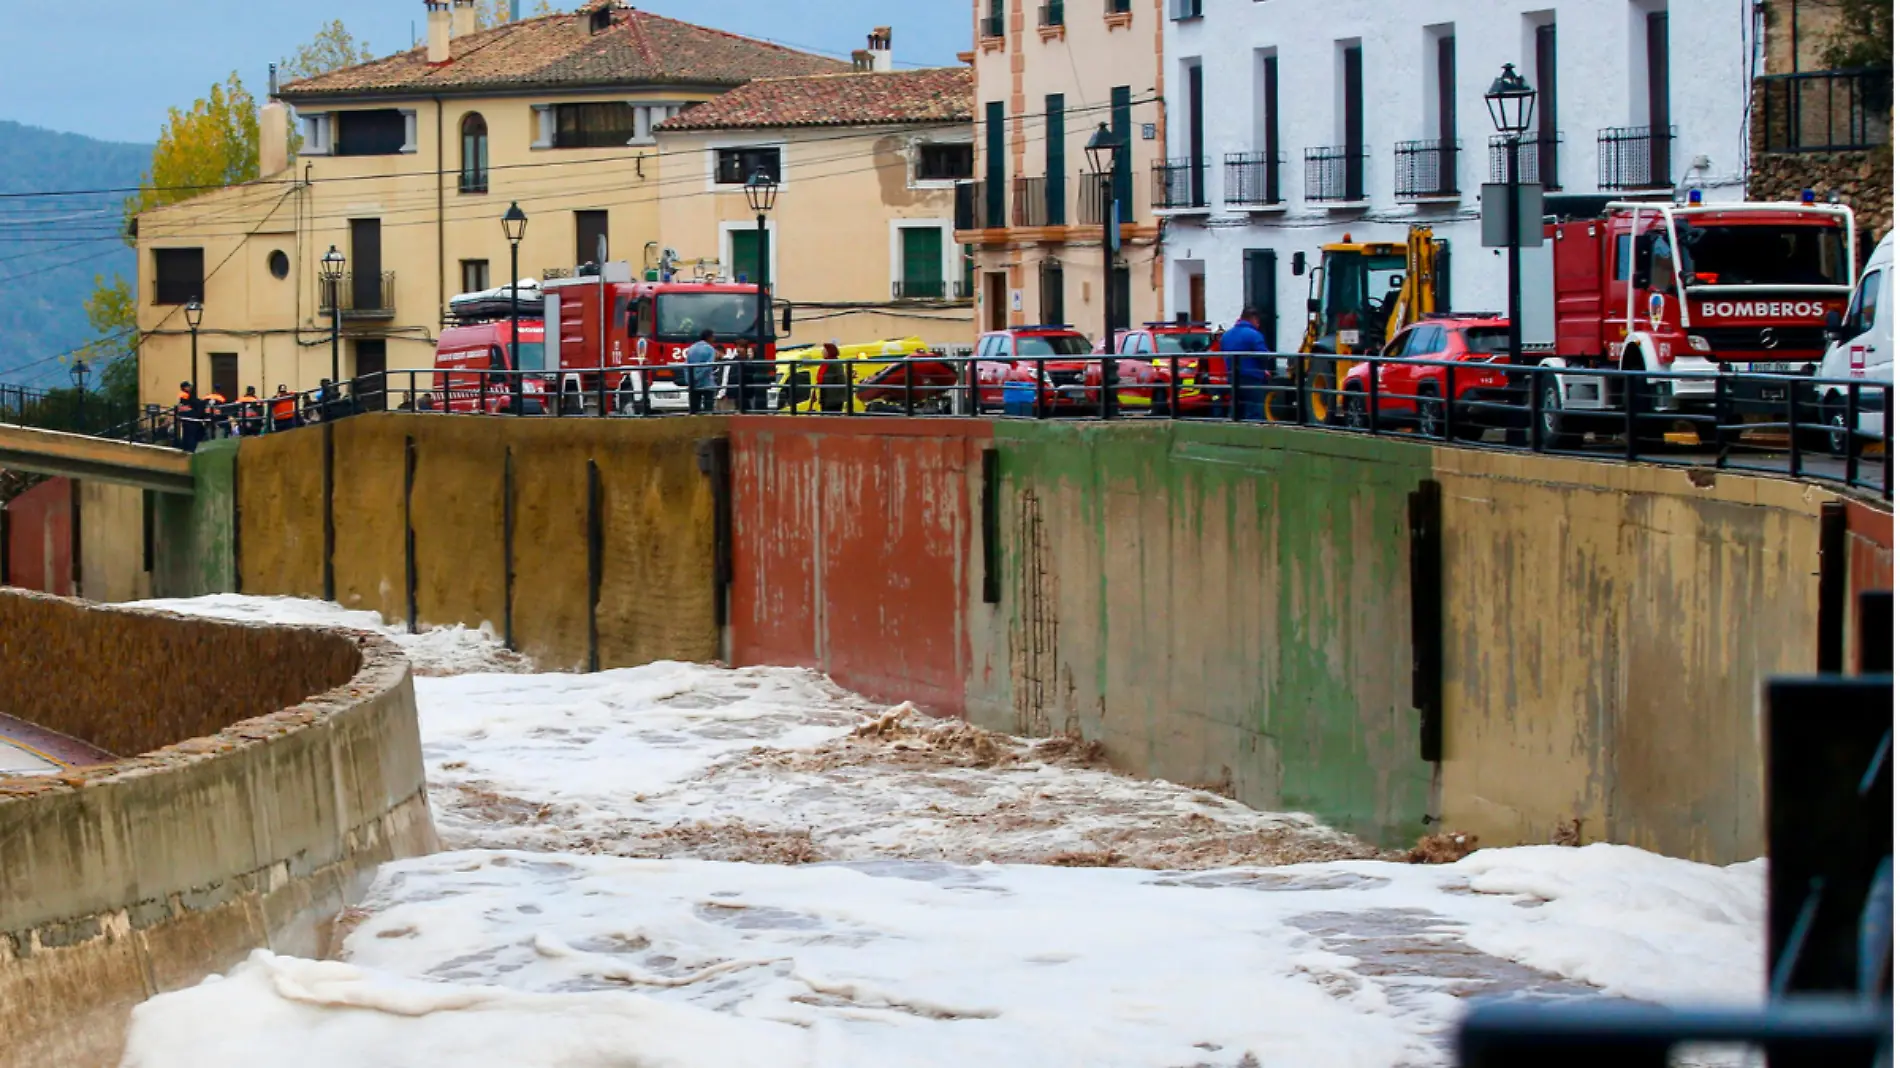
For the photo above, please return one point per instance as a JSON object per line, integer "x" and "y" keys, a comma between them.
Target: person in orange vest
{"x": 283, "y": 409}
{"x": 217, "y": 420}
{"x": 250, "y": 412}
{"x": 188, "y": 418}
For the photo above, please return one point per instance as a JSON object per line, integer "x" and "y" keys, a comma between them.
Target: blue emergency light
{"x": 1695, "y": 196}
{"x": 1807, "y": 196}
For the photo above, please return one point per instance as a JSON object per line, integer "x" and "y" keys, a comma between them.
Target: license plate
{"x": 1349, "y": 338}
{"x": 1774, "y": 393}
{"x": 1775, "y": 368}
{"x": 1074, "y": 393}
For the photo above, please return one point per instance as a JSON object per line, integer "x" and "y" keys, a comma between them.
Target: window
{"x": 590, "y": 234}
{"x": 1186, "y": 9}
{"x": 474, "y": 154}
{"x": 1056, "y": 345}
{"x": 383, "y": 132}
{"x": 1052, "y": 291}
{"x": 180, "y": 275}
{"x": 279, "y": 264}
{"x": 922, "y": 264}
{"x": 1353, "y": 118}
{"x": 317, "y": 129}
{"x": 1546, "y": 53}
{"x": 1866, "y": 310}
{"x": 608, "y": 125}
{"x": 751, "y": 256}
{"x": 993, "y": 22}
{"x": 945, "y": 163}
{"x": 224, "y": 374}
{"x": 738, "y": 165}
{"x": 1762, "y": 255}
{"x": 474, "y": 276}
{"x": 727, "y": 315}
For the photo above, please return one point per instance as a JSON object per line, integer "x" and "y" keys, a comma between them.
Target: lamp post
{"x": 1103, "y": 150}
{"x": 79, "y": 373}
{"x": 1510, "y": 100}
{"x": 514, "y": 224}
{"x": 194, "y": 314}
{"x": 761, "y": 193}
{"x": 332, "y": 271}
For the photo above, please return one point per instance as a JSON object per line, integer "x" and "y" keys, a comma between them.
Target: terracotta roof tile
{"x": 938, "y": 94}
{"x": 559, "y": 52}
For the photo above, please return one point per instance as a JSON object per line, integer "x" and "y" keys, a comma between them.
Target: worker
{"x": 1247, "y": 374}
{"x": 700, "y": 356}
{"x": 217, "y": 415}
{"x": 250, "y": 413}
{"x": 326, "y": 400}
{"x": 188, "y": 418}
{"x": 283, "y": 409}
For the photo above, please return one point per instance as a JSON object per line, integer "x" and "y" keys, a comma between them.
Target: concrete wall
{"x": 112, "y": 542}
{"x": 272, "y": 770}
{"x": 195, "y": 538}
{"x": 1869, "y": 565}
{"x": 39, "y": 530}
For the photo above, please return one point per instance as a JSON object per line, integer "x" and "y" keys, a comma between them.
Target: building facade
{"x": 861, "y": 238}
{"x": 1049, "y": 73}
{"x": 406, "y": 167}
{"x": 1291, "y": 127}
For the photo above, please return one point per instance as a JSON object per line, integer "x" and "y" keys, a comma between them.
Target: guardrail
{"x": 1829, "y": 429}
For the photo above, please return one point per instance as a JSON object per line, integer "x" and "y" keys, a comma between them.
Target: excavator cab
{"x": 1359, "y": 297}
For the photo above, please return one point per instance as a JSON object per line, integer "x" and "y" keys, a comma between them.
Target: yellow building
{"x": 1048, "y": 74}
{"x": 861, "y": 238}
{"x": 406, "y": 166}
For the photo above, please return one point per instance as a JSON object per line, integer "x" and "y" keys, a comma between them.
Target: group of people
{"x": 198, "y": 418}
{"x": 706, "y": 380}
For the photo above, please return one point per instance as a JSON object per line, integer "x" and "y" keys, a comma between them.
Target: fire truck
{"x": 1662, "y": 286}
{"x": 625, "y": 340}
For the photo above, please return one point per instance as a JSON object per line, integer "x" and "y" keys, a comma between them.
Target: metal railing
{"x": 67, "y": 410}
{"x": 968, "y": 196}
{"x": 1030, "y": 197}
{"x": 1826, "y": 110}
{"x": 919, "y": 289}
{"x": 472, "y": 181}
{"x": 1180, "y": 183}
{"x": 1090, "y": 203}
{"x": 1117, "y": 7}
{"x": 1049, "y": 14}
{"x": 1536, "y": 159}
{"x": 1634, "y": 157}
{"x": 1335, "y": 173}
{"x": 362, "y": 296}
{"x": 1253, "y": 179}
{"x": 1425, "y": 168}
{"x": 991, "y": 26}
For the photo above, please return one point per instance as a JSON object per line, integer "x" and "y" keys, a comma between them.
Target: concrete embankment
{"x": 275, "y": 768}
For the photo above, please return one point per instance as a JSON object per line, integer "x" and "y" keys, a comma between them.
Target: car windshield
{"x": 1487, "y": 340}
{"x": 1183, "y": 342}
{"x": 727, "y": 315}
{"x": 534, "y": 356}
{"x": 1057, "y": 345}
{"x": 1744, "y": 255}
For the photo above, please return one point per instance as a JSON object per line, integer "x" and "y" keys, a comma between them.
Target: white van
{"x": 1861, "y": 348}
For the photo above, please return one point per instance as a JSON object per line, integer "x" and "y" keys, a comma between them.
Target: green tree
{"x": 333, "y": 48}
{"x": 212, "y": 145}
{"x": 492, "y": 13}
{"x": 1863, "y": 36}
{"x": 112, "y": 310}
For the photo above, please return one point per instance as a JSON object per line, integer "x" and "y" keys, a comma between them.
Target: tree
{"x": 492, "y": 13}
{"x": 212, "y": 145}
{"x": 333, "y": 48}
{"x": 1862, "y": 35}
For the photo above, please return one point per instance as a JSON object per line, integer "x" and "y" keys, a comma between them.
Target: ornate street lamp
{"x": 194, "y": 314}
{"x": 514, "y": 223}
{"x": 761, "y": 194}
{"x": 1104, "y": 149}
{"x": 80, "y": 372}
{"x": 1510, "y": 101}
{"x": 331, "y": 268}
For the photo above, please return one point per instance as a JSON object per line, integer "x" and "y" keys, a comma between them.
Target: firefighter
{"x": 250, "y": 413}
{"x": 283, "y": 409}
{"x": 217, "y": 417}
{"x": 188, "y": 418}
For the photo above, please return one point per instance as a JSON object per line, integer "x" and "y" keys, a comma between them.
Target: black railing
{"x": 1253, "y": 179}
{"x": 1536, "y": 160}
{"x": 473, "y": 181}
{"x": 1827, "y": 110}
{"x": 1335, "y": 173}
{"x": 1090, "y": 203}
{"x": 992, "y": 26}
{"x": 919, "y": 289}
{"x": 1425, "y": 168}
{"x": 1049, "y": 14}
{"x": 1031, "y": 202}
{"x": 1634, "y": 157}
{"x": 62, "y": 409}
{"x": 1117, "y": 7}
{"x": 371, "y": 296}
{"x": 1180, "y": 183}
{"x": 968, "y": 196}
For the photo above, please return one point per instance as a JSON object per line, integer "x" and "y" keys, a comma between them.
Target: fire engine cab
{"x": 1685, "y": 287}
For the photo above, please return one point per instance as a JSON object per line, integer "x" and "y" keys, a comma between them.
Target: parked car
{"x": 1059, "y": 359}
{"x": 1182, "y": 347}
{"x": 1861, "y": 348}
{"x": 1415, "y": 394}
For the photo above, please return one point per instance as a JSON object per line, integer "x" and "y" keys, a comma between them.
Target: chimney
{"x": 861, "y": 61}
{"x": 273, "y": 138}
{"x": 880, "y": 48}
{"x": 462, "y": 21}
{"x": 438, "y": 31}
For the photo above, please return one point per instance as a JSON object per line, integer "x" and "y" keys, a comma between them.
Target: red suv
{"x": 1415, "y": 394}
{"x": 1182, "y": 347}
{"x": 1071, "y": 377}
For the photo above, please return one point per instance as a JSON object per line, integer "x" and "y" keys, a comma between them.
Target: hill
{"x": 50, "y": 247}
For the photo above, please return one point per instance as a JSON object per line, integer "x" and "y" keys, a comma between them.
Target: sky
{"x": 112, "y": 71}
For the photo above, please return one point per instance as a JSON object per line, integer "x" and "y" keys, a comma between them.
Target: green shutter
{"x": 1056, "y": 165}
{"x": 993, "y": 164}
{"x": 752, "y": 256}
{"x": 923, "y": 261}
{"x": 1122, "y": 124}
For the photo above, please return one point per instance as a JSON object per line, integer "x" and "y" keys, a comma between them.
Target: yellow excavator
{"x": 1358, "y": 298}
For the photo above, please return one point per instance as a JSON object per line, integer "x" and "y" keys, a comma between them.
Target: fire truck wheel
{"x": 1834, "y": 414}
{"x": 1557, "y": 434}
{"x": 627, "y": 400}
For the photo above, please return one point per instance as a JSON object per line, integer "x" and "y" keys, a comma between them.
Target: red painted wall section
{"x": 1869, "y": 563}
{"x": 40, "y": 538}
{"x": 852, "y": 546}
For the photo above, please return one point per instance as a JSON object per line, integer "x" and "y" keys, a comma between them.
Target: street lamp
{"x": 332, "y": 271}
{"x": 79, "y": 372}
{"x": 761, "y": 193}
{"x": 194, "y": 314}
{"x": 515, "y": 225}
{"x": 1103, "y": 150}
{"x": 1510, "y": 101}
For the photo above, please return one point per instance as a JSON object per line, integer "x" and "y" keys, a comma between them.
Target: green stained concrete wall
{"x": 1218, "y": 605}
{"x": 194, "y": 543}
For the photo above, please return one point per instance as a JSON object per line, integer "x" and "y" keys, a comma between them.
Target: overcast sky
{"x": 112, "y": 70}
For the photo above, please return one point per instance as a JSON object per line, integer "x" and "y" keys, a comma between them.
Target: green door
{"x": 923, "y": 262}
{"x": 752, "y": 256}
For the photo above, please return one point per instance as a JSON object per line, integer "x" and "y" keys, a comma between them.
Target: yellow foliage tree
{"x": 333, "y": 48}
{"x": 212, "y": 145}
{"x": 492, "y": 13}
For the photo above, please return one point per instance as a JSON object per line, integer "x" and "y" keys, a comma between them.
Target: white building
{"x": 1310, "y": 122}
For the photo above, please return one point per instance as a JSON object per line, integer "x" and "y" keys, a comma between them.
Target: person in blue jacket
{"x": 1250, "y": 372}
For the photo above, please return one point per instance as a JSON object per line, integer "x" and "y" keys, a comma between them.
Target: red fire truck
{"x": 1685, "y": 287}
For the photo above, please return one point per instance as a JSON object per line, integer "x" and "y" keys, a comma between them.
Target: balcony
{"x": 1425, "y": 169}
{"x": 1031, "y": 207}
{"x": 1536, "y": 160}
{"x": 1180, "y": 184}
{"x": 978, "y": 207}
{"x": 1826, "y": 111}
{"x": 364, "y": 296}
{"x": 921, "y": 289}
{"x": 472, "y": 181}
{"x": 991, "y": 26}
{"x": 1336, "y": 175}
{"x": 1089, "y": 204}
{"x": 1253, "y": 179}
{"x": 1117, "y": 7}
{"x": 1634, "y": 157}
{"x": 1050, "y": 14}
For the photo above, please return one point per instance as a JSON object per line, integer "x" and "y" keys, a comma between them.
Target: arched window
{"x": 474, "y": 154}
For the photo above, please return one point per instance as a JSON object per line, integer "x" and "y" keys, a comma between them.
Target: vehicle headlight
{"x": 1698, "y": 343}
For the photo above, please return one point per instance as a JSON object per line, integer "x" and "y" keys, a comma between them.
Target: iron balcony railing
{"x": 1049, "y": 14}
{"x": 1634, "y": 157}
{"x": 362, "y": 296}
{"x": 977, "y": 207}
{"x": 1089, "y": 202}
{"x": 1425, "y": 168}
{"x": 1536, "y": 159}
{"x": 992, "y": 26}
{"x": 1253, "y": 179}
{"x": 1117, "y": 7}
{"x": 1031, "y": 202}
{"x": 473, "y": 181}
{"x": 1826, "y": 110}
{"x": 1180, "y": 183}
{"x": 1335, "y": 173}
{"x": 919, "y": 289}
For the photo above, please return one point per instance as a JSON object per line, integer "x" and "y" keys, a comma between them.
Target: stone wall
{"x": 1863, "y": 180}
{"x": 273, "y": 769}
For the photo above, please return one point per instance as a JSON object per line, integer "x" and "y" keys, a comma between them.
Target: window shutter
{"x": 1056, "y": 165}
{"x": 543, "y": 126}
